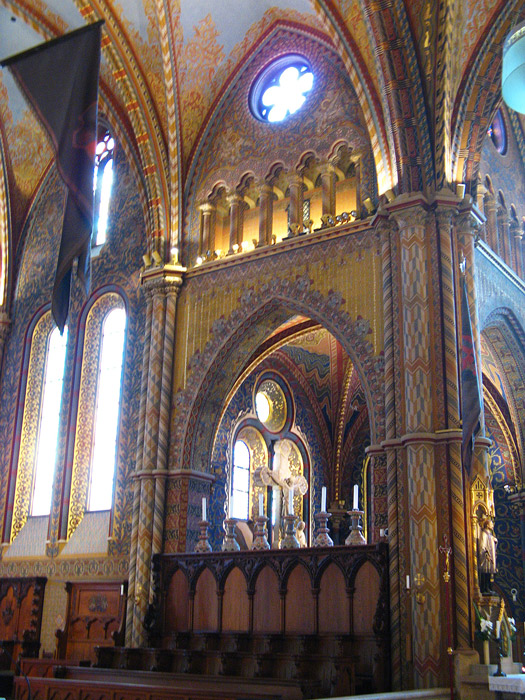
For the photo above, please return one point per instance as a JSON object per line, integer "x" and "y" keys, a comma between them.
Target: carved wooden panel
{"x": 267, "y": 602}
{"x": 177, "y": 603}
{"x": 299, "y": 603}
{"x": 334, "y": 615}
{"x": 21, "y": 604}
{"x": 235, "y": 603}
{"x": 95, "y": 613}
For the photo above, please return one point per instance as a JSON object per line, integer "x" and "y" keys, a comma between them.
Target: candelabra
{"x": 289, "y": 540}
{"x": 260, "y": 536}
{"x": 229, "y": 543}
{"x": 356, "y": 531}
{"x": 203, "y": 545}
{"x": 322, "y": 537}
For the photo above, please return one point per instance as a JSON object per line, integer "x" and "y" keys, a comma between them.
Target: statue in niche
{"x": 282, "y": 481}
{"x": 487, "y": 544}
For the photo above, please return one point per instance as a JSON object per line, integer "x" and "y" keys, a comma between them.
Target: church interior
{"x": 240, "y": 471}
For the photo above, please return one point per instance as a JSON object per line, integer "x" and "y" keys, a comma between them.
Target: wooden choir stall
{"x": 288, "y": 623}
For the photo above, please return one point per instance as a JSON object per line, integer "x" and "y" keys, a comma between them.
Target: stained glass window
{"x": 281, "y": 89}
{"x": 102, "y": 181}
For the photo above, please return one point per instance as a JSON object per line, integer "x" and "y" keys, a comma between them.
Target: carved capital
{"x": 445, "y": 217}
{"x": 234, "y": 199}
{"x": 207, "y": 207}
{"x": 411, "y": 217}
{"x": 295, "y": 179}
{"x": 167, "y": 282}
{"x": 467, "y": 223}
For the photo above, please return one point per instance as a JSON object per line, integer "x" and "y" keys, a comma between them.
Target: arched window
{"x": 98, "y": 413}
{"x": 241, "y": 481}
{"x": 269, "y": 459}
{"x": 49, "y": 418}
{"x": 42, "y": 400}
{"x": 107, "y": 411}
{"x": 102, "y": 180}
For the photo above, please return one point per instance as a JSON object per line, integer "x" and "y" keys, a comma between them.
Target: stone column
{"x": 265, "y": 213}
{"x": 358, "y": 192}
{"x": 516, "y": 235}
{"x": 235, "y": 202}
{"x": 161, "y": 287}
{"x": 400, "y": 626}
{"x": 423, "y": 437}
{"x": 328, "y": 179}
{"x": 296, "y": 186}
{"x": 503, "y": 238}
{"x": 378, "y": 479}
{"x": 207, "y": 232}
{"x": 448, "y": 449}
{"x": 481, "y": 192}
{"x": 492, "y": 223}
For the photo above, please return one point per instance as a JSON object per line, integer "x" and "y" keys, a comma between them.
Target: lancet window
{"x": 41, "y": 414}
{"x": 269, "y": 460}
{"x": 102, "y": 181}
{"x": 95, "y": 457}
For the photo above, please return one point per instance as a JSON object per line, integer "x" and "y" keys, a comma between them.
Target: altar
{"x": 506, "y": 687}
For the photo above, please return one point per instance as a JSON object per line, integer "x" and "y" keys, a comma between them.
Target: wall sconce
{"x": 460, "y": 190}
{"x": 390, "y": 195}
{"x": 420, "y": 596}
{"x": 147, "y": 260}
{"x": 369, "y": 205}
{"x": 156, "y": 257}
{"x": 174, "y": 255}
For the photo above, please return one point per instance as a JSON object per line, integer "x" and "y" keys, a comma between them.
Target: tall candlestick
{"x": 261, "y": 504}
{"x": 290, "y": 502}
{"x": 498, "y": 628}
{"x": 356, "y": 497}
{"x": 204, "y": 508}
{"x": 323, "y": 499}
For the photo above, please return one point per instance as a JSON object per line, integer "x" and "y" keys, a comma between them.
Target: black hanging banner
{"x": 60, "y": 81}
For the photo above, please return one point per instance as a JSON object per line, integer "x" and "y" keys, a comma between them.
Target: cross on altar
{"x": 283, "y": 483}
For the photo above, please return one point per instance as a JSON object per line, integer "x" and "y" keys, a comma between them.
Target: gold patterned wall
{"x": 350, "y": 266}
{"x": 30, "y": 423}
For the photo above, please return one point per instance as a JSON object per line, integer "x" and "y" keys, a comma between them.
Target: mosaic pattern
{"x": 116, "y": 262}
{"x": 243, "y": 325}
{"x": 30, "y": 423}
{"x": 237, "y": 143}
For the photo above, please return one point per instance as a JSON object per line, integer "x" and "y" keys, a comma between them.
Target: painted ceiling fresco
{"x": 167, "y": 66}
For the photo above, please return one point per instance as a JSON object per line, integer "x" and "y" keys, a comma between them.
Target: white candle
{"x": 408, "y": 582}
{"x": 498, "y": 628}
{"x": 261, "y": 504}
{"x": 356, "y": 497}
{"x": 204, "y": 508}
{"x": 323, "y": 499}
{"x": 290, "y": 502}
